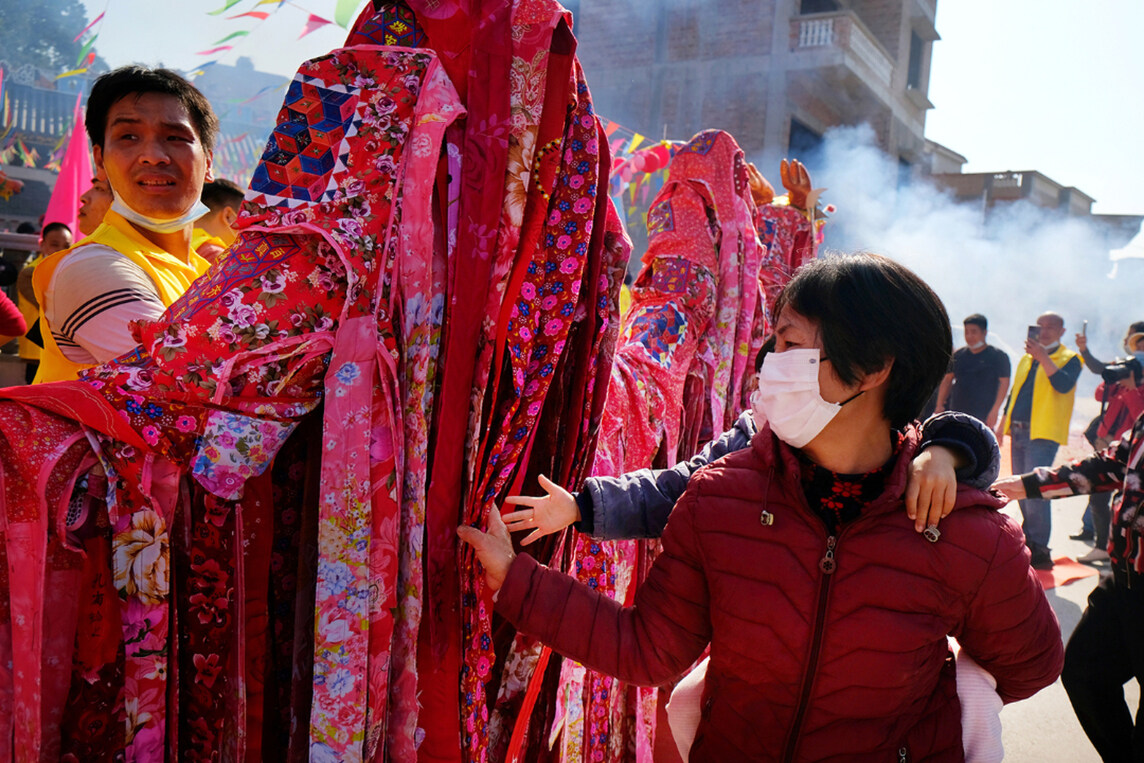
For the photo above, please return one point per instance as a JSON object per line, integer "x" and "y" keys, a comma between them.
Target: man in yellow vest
{"x": 1037, "y": 419}
{"x": 152, "y": 136}
{"x": 54, "y": 237}
{"x": 93, "y": 205}
{"x": 214, "y": 231}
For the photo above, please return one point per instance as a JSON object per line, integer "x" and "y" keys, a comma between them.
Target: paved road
{"x": 1043, "y": 729}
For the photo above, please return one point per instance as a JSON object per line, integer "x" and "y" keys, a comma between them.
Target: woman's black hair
{"x": 872, "y": 311}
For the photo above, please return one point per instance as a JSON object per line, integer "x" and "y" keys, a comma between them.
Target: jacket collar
{"x": 780, "y": 457}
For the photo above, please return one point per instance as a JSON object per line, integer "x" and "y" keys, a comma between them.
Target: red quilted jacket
{"x": 847, "y": 666}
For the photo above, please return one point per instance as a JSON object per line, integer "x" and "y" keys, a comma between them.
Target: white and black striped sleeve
{"x": 93, "y": 296}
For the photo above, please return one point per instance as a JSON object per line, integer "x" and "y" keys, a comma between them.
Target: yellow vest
{"x": 29, "y": 350}
{"x": 170, "y": 275}
{"x": 200, "y": 237}
{"x": 1052, "y": 410}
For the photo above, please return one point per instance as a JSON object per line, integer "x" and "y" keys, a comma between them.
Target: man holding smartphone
{"x": 1037, "y": 419}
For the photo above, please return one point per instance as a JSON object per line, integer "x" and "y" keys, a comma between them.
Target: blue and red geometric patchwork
{"x": 309, "y": 144}
{"x": 659, "y": 329}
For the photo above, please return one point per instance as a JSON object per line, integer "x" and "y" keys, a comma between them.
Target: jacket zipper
{"x": 827, "y": 565}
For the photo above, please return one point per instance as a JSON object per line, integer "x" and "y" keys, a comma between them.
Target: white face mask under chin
{"x": 788, "y": 397}
{"x": 153, "y": 223}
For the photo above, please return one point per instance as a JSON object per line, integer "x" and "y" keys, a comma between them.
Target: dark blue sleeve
{"x": 638, "y": 504}
{"x": 1065, "y": 377}
{"x": 969, "y": 437}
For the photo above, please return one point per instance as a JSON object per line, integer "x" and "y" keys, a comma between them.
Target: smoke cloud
{"x": 1021, "y": 262}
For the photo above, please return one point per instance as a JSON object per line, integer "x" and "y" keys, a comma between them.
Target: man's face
{"x": 55, "y": 240}
{"x": 151, "y": 155}
{"x": 93, "y": 205}
{"x": 974, "y": 334}
{"x": 1051, "y": 330}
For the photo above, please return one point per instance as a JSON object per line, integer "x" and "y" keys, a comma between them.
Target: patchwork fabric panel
{"x": 659, "y": 329}
{"x": 308, "y": 147}
{"x": 393, "y": 25}
{"x": 671, "y": 275}
{"x": 660, "y": 218}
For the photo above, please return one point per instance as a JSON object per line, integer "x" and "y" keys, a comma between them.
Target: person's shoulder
{"x": 996, "y": 354}
{"x": 726, "y": 475}
{"x": 980, "y": 529}
{"x": 91, "y": 254}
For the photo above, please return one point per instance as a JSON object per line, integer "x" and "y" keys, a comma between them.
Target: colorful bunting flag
{"x": 312, "y": 23}
{"x": 86, "y": 49}
{"x": 212, "y": 51}
{"x": 229, "y": 4}
{"x": 345, "y": 12}
{"x": 260, "y": 15}
{"x": 231, "y": 36}
{"x": 94, "y": 21}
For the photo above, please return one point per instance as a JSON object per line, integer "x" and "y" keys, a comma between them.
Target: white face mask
{"x": 788, "y": 397}
{"x": 197, "y": 210}
{"x": 977, "y": 346}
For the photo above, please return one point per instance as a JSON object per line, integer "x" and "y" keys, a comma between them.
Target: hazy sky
{"x": 1048, "y": 85}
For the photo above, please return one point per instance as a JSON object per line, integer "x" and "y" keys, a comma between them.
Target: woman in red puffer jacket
{"x": 827, "y": 614}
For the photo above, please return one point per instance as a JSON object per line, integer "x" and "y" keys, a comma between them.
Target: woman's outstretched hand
{"x": 494, "y": 548}
{"x": 546, "y": 514}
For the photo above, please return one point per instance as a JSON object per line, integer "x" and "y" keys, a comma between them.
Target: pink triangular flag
{"x": 74, "y": 178}
{"x": 312, "y": 23}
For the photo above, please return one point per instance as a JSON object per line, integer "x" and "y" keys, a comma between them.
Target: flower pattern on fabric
{"x": 233, "y": 448}
{"x": 334, "y": 295}
{"x": 141, "y": 558}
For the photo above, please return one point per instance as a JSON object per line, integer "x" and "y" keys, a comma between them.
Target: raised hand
{"x": 761, "y": 191}
{"x": 546, "y": 514}
{"x": 797, "y": 182}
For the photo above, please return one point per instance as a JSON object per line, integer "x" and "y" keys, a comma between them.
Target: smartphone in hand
{"x": 1035, "y": 333}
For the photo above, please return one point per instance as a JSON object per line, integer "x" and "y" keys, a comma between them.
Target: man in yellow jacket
{"x": 152, "y": 136}
{"x": 54, "y": 237}
{"x": 1037, "y": 419}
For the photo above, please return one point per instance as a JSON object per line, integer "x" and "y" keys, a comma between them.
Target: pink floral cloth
{"x": 682, "y": 374}
{"x": 246, "y": 565}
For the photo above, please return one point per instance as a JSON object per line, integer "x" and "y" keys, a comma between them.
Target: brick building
{"x": 992, "y": 192}
{"x": 776, "y": 74}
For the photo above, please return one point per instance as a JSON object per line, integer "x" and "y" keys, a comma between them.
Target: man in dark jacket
{"x": 1107, "y": 647}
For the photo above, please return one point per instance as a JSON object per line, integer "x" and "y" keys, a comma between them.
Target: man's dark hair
{"x": 222, "y": 193}
{"x": 25, "y": 227}
{"x": 870, "y": 311}
{"x": 135, "y": 80}
{"x": 54, "y": 226}
{"x": 1136, "y": 328}
{"x": 977, "y": 319}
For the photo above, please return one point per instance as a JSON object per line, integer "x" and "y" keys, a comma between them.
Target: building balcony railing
{"x": 844, "y": 32}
